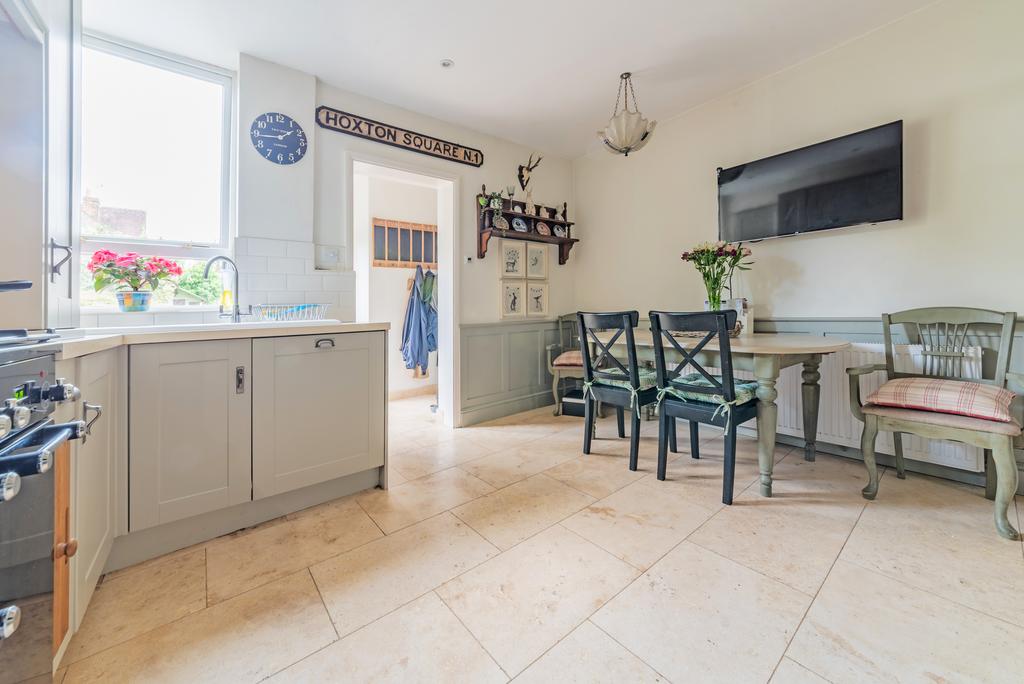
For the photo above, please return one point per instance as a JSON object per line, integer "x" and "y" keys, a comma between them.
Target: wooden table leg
{"x": 766, "y": 371}
{"x": 811, "y": 398}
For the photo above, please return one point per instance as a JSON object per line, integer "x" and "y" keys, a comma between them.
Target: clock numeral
{"x": 262, "y": 124}
{"x": 279, "y": 118}
{"x": 269, "y": 152}
{"x": 259, "y": 144}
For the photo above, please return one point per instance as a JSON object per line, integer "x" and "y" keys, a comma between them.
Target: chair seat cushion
{"x": 746, "y": 390}
{"x": 960, "y": 397}
{"x": 572, "y": 357}
{"x": 944, "y": 419}
{"x": 648, "y": 379}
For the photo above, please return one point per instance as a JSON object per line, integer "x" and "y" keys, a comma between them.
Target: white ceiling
{"x": 539, "y": 72}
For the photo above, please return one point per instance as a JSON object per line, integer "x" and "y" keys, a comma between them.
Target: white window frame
{"x": 207, "y": 72}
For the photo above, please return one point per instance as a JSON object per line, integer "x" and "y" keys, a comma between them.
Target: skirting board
{"x": 136, "y": 547}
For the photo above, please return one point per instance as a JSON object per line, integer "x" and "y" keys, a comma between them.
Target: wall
{"x": 388, "y": 291}
{"x": 954, "y": 72}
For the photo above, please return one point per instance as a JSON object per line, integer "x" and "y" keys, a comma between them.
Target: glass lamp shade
{"x": 626, "y": 132}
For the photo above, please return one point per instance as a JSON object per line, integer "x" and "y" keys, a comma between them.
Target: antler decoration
{"x": 525, "y": 169}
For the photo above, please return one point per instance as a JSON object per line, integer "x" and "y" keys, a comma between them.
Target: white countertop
{"x": 80, "y": 342}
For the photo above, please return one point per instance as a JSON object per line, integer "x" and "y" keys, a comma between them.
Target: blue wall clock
{"x": 278, "y": 137}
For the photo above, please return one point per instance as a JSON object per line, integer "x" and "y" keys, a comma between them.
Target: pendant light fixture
{"x": 627, "y": 130}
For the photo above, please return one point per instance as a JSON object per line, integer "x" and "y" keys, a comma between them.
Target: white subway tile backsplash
{"x": 124, "y": 319}
{"x": 299, "y": 250}
{"x": 249, "y": 297}
{"x": 178, "y": 318}
{"x": 304, "y": 282}
{"x": 321, "y": 298}
{"x": 251, "y": 264}
{"x": 286, "y": 265}
{"x": 341, "y": 282}
{"x": 265, "y": 247}
{"x": 265, "y": 282}
{"x": 284, "y": 298}
{"x": 88, "y": 320}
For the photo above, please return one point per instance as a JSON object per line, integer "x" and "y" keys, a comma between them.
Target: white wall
{"x": 954, "y": 72}
{"x": 388, "y": 287}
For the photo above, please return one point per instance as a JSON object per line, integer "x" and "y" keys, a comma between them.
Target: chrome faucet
{"x": 236, "y": 313}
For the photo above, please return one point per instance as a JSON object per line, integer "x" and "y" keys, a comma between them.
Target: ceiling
{"x": 538, "y": 72}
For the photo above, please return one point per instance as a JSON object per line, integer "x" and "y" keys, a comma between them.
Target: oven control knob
{"x": 20, "y": 416}
{"x": 10, "y": 485}
{"x": 45, "y": 461}
{"x": 64, "y": 391}
{"x": 5, "y": 425}
{"x": 10, "y": 618}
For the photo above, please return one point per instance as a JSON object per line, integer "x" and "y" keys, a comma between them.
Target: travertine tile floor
{"x": 501, "y": 552}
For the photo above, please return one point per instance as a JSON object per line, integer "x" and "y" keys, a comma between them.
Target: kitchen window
{"x": 156, "y": 150}
{"x": 400, "y": 244}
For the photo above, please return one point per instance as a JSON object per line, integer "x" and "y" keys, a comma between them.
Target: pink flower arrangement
{"x": 129, "y": 271}
{"x": 716, "y": 262}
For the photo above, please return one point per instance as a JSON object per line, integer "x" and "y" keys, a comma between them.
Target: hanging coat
{"x": 419, "y": 332}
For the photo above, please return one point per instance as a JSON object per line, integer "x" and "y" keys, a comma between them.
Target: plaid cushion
{"x": 959, "y": 397}
{"x": 648, "y": 379}
{"x": 569, "y": 358}
{"x": 746, "y": 390}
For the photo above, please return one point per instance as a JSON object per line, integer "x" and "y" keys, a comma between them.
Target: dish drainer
{"x": 289, "y": 312}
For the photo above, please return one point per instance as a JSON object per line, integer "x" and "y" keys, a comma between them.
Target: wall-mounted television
{"x": 847, "y": 181}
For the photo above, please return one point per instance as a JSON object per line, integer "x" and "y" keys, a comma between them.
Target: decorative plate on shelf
{"x": 501, "y": 223}
{"x": 560, "y": 231}
{"x": 519, "y": 225}
{"x": 542, "y": 228}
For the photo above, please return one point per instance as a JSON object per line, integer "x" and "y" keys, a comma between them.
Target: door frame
{"x": 448, "y": 309}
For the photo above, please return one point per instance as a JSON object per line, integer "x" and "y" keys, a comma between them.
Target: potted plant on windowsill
{"x": 135, "y": 277}
{"x": 716, "y": 262}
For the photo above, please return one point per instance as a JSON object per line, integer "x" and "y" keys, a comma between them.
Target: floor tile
{"x": 131, "y": 604}
{"x": 796, "y": 535}
{"x": 938, "y": 536}
{"x": 502, "y": 468}
{"x": 866, "y": 627}
{"x": 362, "y": 585}
{"x": 415, "y": 500}
{"x": 421, "y": 641}
{"x": 523, "y": 602}
{"x": 640, "y": 523}
{"x": 596, "y": 475}
{"x": 414, "y": 463}
{"x": 510, "y": 515}
{"x": 243, "y": 639}
{"x": 732, "y": 623}
{"x": 588, "y": 656}
{"x": 792, "y": 672}
{"x": 238, "y": 564}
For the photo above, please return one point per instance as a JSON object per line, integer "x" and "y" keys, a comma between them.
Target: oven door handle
{"x": 41, "y": 447}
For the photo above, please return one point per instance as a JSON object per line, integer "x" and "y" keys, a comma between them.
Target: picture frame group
{"x": 524, "y": 289}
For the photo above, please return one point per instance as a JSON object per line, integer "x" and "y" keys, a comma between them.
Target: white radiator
{"x": 836, "y": 425}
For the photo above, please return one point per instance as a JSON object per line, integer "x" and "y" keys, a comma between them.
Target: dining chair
{"x": 938, "y": 402}
{"x": 616, "y": 382}
{"x": 565, "y": 359}
{"x": 697, "y": 395}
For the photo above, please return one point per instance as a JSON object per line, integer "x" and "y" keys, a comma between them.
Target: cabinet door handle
{"x": 325, "y": 342}
{"x": 86, "y": 407}
{"x": 240, "y": 380}
{"x": 67, "y": 549}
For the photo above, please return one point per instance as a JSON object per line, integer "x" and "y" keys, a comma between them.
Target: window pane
{"x": 428, "y": 248}
{"x": 378, "y": 243}
{"x": 393, "y": 244}
{"x": 417, "y": 245}
{"x": 191, "y": 289}
{"x": 152, "y": 152}
{"x": 404, "y": 254}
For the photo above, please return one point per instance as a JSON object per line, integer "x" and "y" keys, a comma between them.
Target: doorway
{"x": 402, "y": 223}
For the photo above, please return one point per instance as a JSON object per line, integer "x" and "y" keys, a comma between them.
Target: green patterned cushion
{"x": 746, "y": 390}
{"x": 648, "y": 379}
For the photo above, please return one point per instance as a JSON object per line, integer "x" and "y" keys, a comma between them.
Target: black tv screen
{"x": 855, "y": 179}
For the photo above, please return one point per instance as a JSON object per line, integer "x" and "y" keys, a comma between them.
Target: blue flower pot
{"x": 131, "y": 302}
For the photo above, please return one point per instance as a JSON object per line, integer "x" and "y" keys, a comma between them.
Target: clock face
{"x": 278, "y": 137}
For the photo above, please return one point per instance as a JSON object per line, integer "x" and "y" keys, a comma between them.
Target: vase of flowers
{"x": 135, "y": 277}
{"x": 716, "y": 262}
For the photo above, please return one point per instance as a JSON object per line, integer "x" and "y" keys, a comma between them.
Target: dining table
{"x": 765, "y": 355}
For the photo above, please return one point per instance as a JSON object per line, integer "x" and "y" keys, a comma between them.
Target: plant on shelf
{"x": 135, "y": 277}
{"x": 716, "y": 262}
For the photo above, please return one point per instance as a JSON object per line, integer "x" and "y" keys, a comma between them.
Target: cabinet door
{"x": 94, "y": 473}
{"x": 318, "y": 409}
{"x": 61, "y": 544}
{"x": 189, "y": 440}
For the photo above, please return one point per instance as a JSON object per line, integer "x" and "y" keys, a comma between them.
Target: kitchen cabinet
{"x": 318, "y": 409}
{"x": 64, "y": 546}
{"x": 95, "y": 478}
{"x": 190, "y": 421}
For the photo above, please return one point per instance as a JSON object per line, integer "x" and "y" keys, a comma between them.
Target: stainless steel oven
{"x": 29, "y": 440}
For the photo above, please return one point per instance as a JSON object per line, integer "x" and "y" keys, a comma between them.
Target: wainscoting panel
{"x": 504, "y": 368}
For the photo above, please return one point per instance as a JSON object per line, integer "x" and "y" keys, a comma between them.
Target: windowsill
{"x": 155, "y": 309}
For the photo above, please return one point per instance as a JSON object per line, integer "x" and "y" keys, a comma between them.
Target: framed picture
{"x": 513, "y": 259}
{"x": 536, "y": 299}
{"x": 513, "y": 298}
{"x": 536, "y": 261}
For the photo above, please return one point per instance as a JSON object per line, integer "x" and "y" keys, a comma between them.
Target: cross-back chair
{"x": 614, "y": 381}
{"x": 565, "y": 360}
{"x": 696, "y": 395}
{"x": 945, "y": 335}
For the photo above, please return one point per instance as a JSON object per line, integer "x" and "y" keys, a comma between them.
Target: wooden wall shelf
{"x": 486, "y": 229}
